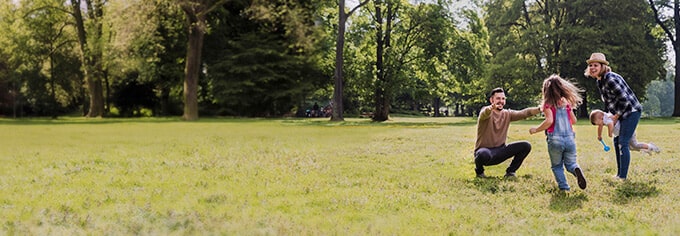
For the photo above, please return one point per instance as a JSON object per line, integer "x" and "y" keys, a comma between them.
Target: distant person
{"x": 601, "y": 118}
{"x": 560, "y": 97}
{"x": 492, "y": 131}
{"x": 620, "y": 101}
{"x": 315, "y": 110}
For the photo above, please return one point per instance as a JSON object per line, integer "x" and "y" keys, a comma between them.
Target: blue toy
{"x": 606, "y": 148}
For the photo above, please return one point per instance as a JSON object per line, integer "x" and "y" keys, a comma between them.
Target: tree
{"x": 396, "y": 39}
{"x": 339, "y": 59}
{"x": 424, "y": 57}
{"x": 150, "y": 51}
{"x": 263, "y": 58}
{"x": 49, "y": 29}
{"x": 89, "y": 30}
{"x": 451, "y": 60}
{"x": 532, "y": 39}
{"x": 659, "y": 98}
{"x": 39, "y": 48}
{"x": 196, "y": 12}
{"x": 671, "y": 26}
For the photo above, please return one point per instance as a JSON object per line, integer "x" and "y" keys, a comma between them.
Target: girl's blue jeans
{"x": 562, "y": 151}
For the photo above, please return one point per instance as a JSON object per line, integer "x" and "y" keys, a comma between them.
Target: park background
{"x": 388, "y": 69}
{"x": 254, "y": 58}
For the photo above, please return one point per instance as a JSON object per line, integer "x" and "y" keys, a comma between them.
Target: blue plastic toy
{"x": 606, "y": 148}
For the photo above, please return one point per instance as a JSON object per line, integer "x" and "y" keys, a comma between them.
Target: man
{"x": 492, "y": 132}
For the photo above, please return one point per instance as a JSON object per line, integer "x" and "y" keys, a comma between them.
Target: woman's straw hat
{"x": 597, "y": 57}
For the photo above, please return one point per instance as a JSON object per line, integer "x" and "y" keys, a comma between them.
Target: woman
{"x": 620, "y": 101}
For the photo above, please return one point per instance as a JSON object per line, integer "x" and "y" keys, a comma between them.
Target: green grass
{"x": 407, "y": 176}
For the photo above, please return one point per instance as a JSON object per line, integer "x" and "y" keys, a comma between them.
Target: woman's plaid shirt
{"x": 617, "y": 96}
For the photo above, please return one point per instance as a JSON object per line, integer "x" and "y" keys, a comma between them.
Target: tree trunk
{"x": 192, "y": 69}
{"x": 53, "y": 93}
{"x": 90, "y": 61}
{"x": 381, "y": 108}
{"x": 107, "y": 93}
{"x": 337, "y": 114}
{"x": 676, "y": 49}
{"x": 196, "y": 12}
{"x": 164, "y": 101}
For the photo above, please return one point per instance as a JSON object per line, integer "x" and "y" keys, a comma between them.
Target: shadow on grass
{"x": 114, "y": 120}
{"x": 367, "y": 122}
{"x": 566, "y": 201}
{"x": 493, "y": 185}
{"x": 628, "y": 191}
{"x": 413, "y": 122}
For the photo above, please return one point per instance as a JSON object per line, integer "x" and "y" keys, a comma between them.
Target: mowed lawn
{"x": 407, "y": 176}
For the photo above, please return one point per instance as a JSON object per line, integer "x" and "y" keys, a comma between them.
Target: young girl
{"x": 559, "y": 97}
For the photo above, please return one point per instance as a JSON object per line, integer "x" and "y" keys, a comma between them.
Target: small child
{"x": 601, "y": 118}
{"x": 559, "y": 98}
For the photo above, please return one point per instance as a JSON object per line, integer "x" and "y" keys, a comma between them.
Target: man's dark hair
{"x": 496, "y": 90}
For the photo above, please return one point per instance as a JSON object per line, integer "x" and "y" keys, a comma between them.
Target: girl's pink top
{"x": 552, "y": 108}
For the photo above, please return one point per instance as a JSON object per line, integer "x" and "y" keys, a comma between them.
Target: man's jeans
{"x": 497, "y": 155}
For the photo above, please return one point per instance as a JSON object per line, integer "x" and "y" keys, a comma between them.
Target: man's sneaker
{"x": 480, "y": 172}
{"x": 510, "y": 175}
{"x": 580, "y": 178}
{"x": 653, "y": 148}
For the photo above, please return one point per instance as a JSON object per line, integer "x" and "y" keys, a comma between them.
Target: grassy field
{"x": 407, "y": 176}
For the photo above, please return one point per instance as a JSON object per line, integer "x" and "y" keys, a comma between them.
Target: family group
{"x": 560, "y": 97}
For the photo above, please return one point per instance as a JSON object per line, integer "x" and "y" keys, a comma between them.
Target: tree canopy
{"x": 276, "y": 58}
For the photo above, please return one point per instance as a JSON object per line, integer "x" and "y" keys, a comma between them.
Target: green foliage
{"x": 428, "y": 57}
{"x": 269, "y": 58}
{"x": 263, "y": 65}
{"x": 533, "y": 39}
{"x": 154, "y": 50}
{"x": 40, "y": 48}
{"x": 659, "y": 98}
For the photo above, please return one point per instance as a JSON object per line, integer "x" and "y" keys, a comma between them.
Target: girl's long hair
{"x": 555, "y": 88}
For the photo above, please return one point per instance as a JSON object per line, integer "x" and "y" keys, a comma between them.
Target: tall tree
{"x": 49, "y": 29}
{"x": 671, "y": 26}
{"x": 401, "y": 33}
{"x": 89, "y": 30}
{"x": 339, "y": 59}
{"x": 196, "y": 12}
{"x": 451, "y": 60}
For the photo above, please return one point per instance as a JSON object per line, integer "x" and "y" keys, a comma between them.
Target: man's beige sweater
{"x": 492, "y": 125}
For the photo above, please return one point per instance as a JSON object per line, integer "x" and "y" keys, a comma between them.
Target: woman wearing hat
{"x": 619, "y": 100}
